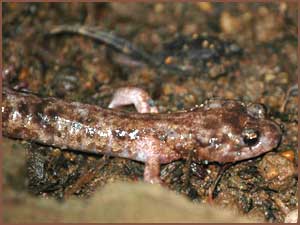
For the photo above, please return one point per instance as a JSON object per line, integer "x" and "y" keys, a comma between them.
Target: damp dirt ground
{"x": 77, "y": 68}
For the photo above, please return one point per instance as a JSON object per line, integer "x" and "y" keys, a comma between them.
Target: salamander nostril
{"x": 250, "y": 136}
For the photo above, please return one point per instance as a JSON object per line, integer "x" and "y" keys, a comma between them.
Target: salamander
{"x": 217, "y": 130}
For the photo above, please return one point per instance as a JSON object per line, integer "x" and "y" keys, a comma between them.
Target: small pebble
{"x": 277, "y": 170}
{"x": 168, "y": 60}
{"x": 159, "y": 8}
{"x": 56, "y": 152}
{"x": 229, "y": 24}
{"x": 205, "y": 6}
{"x": 288, "y": 154}
{"x": 269, "y": 77}
{"x": 69, "y": 156}
{"x": 292, "y": 217}
{"x": 88, "y": 85}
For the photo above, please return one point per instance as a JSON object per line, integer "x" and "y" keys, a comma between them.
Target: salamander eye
{"x": 250, "y": 136}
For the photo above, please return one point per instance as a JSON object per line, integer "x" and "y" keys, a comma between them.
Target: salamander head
{"x": 234, "y": 132}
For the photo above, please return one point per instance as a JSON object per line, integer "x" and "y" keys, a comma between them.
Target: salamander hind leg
{"x": 136, "y": 96}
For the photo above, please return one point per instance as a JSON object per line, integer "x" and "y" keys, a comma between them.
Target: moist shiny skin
{"x": 218, "y": 130}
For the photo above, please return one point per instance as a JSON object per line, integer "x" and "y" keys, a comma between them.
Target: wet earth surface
{"x": 246, "y": 52}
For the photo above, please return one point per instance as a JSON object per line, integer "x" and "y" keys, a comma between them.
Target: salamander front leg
{"x": 133, "y": 95}
{"x": 152, "y": 171}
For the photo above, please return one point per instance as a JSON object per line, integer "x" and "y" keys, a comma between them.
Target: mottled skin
{"x": 218, "y": 130}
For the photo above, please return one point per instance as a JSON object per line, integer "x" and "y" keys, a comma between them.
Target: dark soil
{"x": 77, "y": 68}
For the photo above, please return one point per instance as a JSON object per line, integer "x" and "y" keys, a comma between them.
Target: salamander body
{"x": 218, "y": 130}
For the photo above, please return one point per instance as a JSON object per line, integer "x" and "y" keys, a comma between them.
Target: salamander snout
{"x": 258, "y": 140}
{"x": 270, "y": 135}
